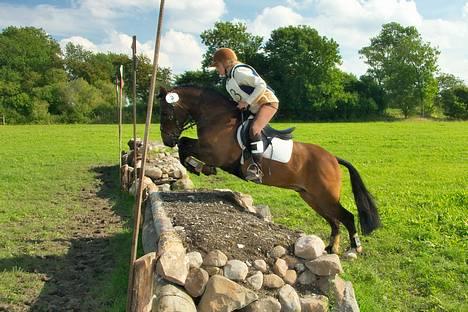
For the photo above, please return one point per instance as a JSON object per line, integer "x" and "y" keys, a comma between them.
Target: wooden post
{"x": 121, "y": 84}
{"x": 149, "y": 112}
{"x": 135, "y": 150}
{"x": 144, "y": 272}
{"x": 3, "y": 120}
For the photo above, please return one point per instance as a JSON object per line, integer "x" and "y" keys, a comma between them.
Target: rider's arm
{"x": 245, "y": 76}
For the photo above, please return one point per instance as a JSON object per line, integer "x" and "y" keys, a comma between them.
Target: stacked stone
{"x": 221, "y": 284}
{"x": 217, "y": 283}
{"x": 162, "y": 168}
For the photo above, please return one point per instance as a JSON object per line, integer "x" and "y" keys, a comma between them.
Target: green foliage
{"x": 143, "y": 78}
{"x": 448, "y": 81}
{"x": 38, "y": 85}
{"x": 404, "y": 66}
{"x": 303, "y": 71}
{"x": 230, "y": 35}
{"x": 203, "y": 78}
{"x": 29, "y": 61}
{"x": 451, "y": 97}
{"x": 455, "y": 102}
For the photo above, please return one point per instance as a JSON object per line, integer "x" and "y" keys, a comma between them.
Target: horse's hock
{"x": 215, "y": 251}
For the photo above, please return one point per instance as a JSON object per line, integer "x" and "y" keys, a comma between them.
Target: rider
{"x": 251, "y": 92}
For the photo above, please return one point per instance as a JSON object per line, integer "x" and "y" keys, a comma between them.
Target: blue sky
{"x": 103, "y": 25}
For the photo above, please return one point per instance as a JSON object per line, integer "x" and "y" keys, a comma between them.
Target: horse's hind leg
{"x": 329, "y": 212}
{"x": 347, "y": 218}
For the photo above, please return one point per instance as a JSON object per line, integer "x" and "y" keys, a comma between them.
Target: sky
{"x": 108, "y": 25}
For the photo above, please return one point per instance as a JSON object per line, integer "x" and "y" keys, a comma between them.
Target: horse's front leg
{"x": 189, "y": 155}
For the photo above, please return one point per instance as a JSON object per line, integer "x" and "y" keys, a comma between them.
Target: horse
{"x": 311, "y": 171}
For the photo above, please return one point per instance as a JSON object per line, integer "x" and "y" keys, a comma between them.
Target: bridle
{"x": 180, "y": 127}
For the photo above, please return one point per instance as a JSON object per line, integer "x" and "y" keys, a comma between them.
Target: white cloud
{"x": 272, "y": 18}
{"x": 451, "y": 39}
{"x": 111, "y": 9}
{"x": 58, "y": 21}
{"x": 77, "y": 40}
{"x": 353, "y": 22}
{"x": 299, "y": 4}
{"x": 179, "y": 51}
{"x": 95, "y": 18}
{"x": 194, "y": 16}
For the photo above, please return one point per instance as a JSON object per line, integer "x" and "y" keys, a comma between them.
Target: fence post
{"x": 139, "y": 194}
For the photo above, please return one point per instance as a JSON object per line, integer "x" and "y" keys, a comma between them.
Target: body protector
{"x": 243, "y": 83}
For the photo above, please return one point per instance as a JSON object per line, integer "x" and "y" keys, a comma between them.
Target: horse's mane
{"x": 208, "y": 91}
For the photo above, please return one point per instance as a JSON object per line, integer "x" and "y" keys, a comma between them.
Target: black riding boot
{"x": 254, "y": 172}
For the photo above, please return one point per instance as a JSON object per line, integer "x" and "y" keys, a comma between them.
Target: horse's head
{"x": 174, "y": 115}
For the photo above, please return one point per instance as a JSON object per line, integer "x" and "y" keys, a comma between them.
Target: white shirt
{"x": 245, "y": 76}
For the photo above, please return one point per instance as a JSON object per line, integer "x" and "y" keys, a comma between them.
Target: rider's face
{"x": 221, "y": 69}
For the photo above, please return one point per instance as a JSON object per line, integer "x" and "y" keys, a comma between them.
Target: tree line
{"x": 40, "y": 83}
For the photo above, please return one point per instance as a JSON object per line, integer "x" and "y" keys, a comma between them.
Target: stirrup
{"x": 254, "y": 173}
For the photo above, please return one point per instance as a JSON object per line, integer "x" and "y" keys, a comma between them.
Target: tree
{"x": 303, "y": 71}
{"x": 452, "y": 96}
{"x": 209, "y": 79}
{"x": 30, "y": 60}
{"x": 448, "y": 81}
{"x": 144, "y": 72}
{"x": 404, "y": 66}
{"x": 230, "y": 35}
{"x": 455, "y": 102}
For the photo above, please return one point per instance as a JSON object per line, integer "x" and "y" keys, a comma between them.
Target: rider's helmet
{"x": 224, "y": 56}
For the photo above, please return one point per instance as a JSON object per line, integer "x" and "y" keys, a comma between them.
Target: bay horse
{"x": 311, "y": 171}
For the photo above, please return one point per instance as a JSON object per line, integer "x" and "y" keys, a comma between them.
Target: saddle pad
{"x": 279, "y": 150}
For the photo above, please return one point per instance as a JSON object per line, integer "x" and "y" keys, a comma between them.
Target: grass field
{"x": 417, "y": 170}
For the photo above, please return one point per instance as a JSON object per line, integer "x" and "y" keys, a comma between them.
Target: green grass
{"x": 417, "y": 171}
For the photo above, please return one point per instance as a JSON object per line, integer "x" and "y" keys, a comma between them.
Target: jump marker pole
{"x": 121, "y": 84}
{"x": 149, "y": 112}
{"x": 134, "y": 101}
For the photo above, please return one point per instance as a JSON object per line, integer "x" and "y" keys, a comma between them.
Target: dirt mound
{"x": 211, "y": 222}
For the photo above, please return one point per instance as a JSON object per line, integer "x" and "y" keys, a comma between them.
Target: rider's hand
{"x": 242, "y": 104}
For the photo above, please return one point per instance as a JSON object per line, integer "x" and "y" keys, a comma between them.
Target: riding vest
{"x": 243, "y": 83}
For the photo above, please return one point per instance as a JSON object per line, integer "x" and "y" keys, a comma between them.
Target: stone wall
{"x": 192, "y": 282}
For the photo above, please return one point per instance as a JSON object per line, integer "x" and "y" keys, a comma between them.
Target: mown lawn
{"x": 417, "y": 170}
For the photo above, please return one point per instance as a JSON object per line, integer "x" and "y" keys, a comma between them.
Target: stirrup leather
{"x": 257, "y": 147}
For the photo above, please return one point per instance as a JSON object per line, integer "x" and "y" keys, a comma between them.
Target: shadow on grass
{"x": 92, "y": 276}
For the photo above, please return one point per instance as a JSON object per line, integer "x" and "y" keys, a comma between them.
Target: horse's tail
{"x": 367, "y": 209}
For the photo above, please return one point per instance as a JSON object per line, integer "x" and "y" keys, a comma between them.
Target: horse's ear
{"x": 162, "y": 92}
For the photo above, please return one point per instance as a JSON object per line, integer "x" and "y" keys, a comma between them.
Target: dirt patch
{"x": 211, "y": 222}
{"x": 71, "y": 279}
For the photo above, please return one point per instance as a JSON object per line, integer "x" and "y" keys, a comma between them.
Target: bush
{"x": 455, "y": 102}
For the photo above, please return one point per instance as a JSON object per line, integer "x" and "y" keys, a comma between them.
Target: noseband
{"x": 180, "y": 127}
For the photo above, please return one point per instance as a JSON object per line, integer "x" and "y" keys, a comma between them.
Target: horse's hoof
{"x": 350, "y": 254}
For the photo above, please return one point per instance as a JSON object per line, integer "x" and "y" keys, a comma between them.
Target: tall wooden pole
{"x": 117, "y": 111}
{"x": 121, "y": 84}
{"x": 149, "y": 112}
{"x": 134, "y": 102}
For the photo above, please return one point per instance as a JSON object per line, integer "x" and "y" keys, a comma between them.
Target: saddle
{"x": 268, "y": 135}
